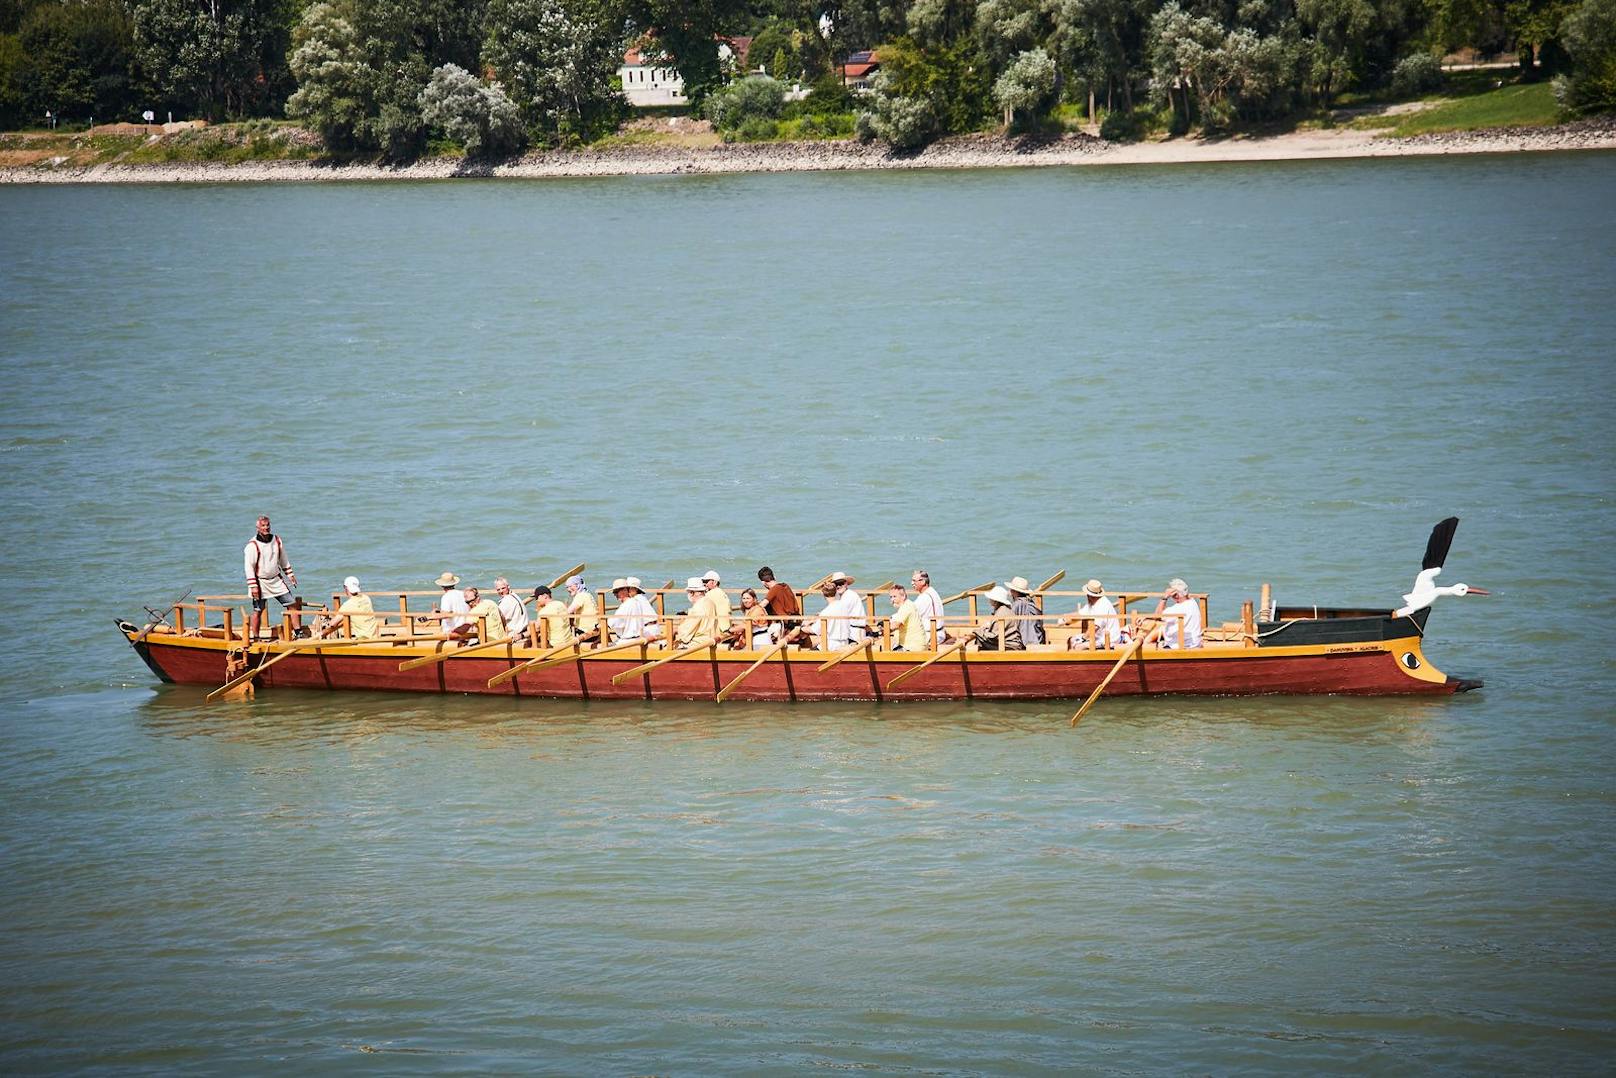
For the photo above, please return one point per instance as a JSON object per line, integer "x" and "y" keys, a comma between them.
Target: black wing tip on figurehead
{"x": 1436, "y": 551}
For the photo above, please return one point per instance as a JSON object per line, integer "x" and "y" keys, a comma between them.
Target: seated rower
{"x": 844, "y": 614}
{"x": 584, "y": 612}
{"x": 700, "y": 625}
{"x": 549, "y": 627}
{"x": 1001, "y": 632}
{"x": 362, "y": 621}
{"x": 635, "y": 618}
{"x": 1188, "y": 613}
{"x": 930, "y": 606}
{"x": 1029, "y": 615}
{"x": 908, "y": 627}
{"x": 781, "y": 602}
{"x": 465, "y": 625}
{"x": 1097, "y": 606}
{"x": 512, "y": 609}
{"x": 751, "y": 627}
{"x": 719, "y": 598}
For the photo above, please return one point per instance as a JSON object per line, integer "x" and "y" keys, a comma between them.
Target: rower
{"x": 452, "y": 601}
{"x": 359, "y": 606}
{"x": 908, "y": 627}
{"x": 751, "y": 629}
{"x": 512, "y": 609}
{"x": 930, "y": 606}
{"x": 1001, "y": 632}
{"x": 1098, "y": 607}
{"x": 844, "y": 613}
{"x": 781, "y": 602}
{"x": 1188, "y": 613}
{"x": 700, "y": 625}
{"x": 1030, "y": 619}
{"x": 634, "y": 618}
{"x": 720, "y": 600}
{"x": 583, "y": 611}
{"x": 549, "y": 620}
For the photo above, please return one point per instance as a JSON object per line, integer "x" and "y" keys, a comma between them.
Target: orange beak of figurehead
{"x": 1478, "y": 591}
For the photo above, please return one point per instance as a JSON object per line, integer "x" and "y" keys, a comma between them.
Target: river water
{"x": 1234, "y": 374}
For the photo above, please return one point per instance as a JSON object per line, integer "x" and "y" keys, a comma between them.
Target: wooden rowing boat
{"x": 1298, "y": 649}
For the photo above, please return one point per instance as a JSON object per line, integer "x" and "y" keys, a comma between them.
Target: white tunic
{"x": 930, "y": 607}
{"x": 514, "y": 611}
{"x": 266, "y": 563}
{"x": 844, "y": 621}
{"x": 1107, "y": 626}
{"x": 454, "y": 602}
{"x": 1189, "y": 612}
{"x": 634, "y": 619}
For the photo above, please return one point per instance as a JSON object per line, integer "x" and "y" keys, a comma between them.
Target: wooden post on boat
{"x": 1265, "y": 603}
{"x": 1248, "y": 622}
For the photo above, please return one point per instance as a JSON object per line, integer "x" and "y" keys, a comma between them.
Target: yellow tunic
{"x": 583, "y": 605}
{"x": 364, "y": 628}
{"x": 908, "y": 628}
{"x": 721, "y": 608}
{"x": 487, "y": 608}
{"x": 554, "y": 617}
{"x": 700, "y": 625}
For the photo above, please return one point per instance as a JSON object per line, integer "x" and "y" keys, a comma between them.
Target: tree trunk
{"x": 1526, "y": 58}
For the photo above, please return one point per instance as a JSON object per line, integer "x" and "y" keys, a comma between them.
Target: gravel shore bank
{"x": 970, "y": 151}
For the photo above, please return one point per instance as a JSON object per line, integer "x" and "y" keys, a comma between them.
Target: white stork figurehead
{"x": 1425, "y": 590}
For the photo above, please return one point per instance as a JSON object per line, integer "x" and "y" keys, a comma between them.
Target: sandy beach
{"x": 970, "y": 151}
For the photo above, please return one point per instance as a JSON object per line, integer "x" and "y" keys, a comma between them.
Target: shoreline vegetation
{"x": 105, "y": 158}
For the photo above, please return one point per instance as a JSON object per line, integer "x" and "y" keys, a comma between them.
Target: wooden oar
{"x": 912, "y": 671}
{"x": 315, "y": 643}
{"x": 442, "y": 656}
{"x": 723, "y": 694}
{"x": 646, "y": 668}
{"x": 1126, "y": 655}
{"x": 561, "y": 660}
{"x": 846, "y": 653}
{"x": 1050, "y": 583}
{"x": 241, "y": 679}
{"x": 505, "y": 675}
{"x": 574, "y": 571}
{"x": 968, "y": 591}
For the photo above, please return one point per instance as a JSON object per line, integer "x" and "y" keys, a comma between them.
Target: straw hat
{"x": 840, "y": 578}
{"x": 1177, "y": 584}
{"x": 447, "y": 580}
{"x": 632, "y": 582}
{"x": 1019, "y": 585}
{"x": 619, "y": 584}
{"x": 695, "y": 583}
{"x": 1093, "y": 589}
{"x": 998, "y": 596}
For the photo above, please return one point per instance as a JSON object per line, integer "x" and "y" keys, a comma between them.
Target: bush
{"x": 756, "y": 98}
{"x": 1027, "y": 84}
{"x": 756, "y": 129}
{"x": 1589, "y": 35}
{"x": 828, "y": 96}
{"x": 1417, "y": 73}
{"x": 475, "y": 114}
{"x": 906, "y": 123}
{"x": 1120, "y": 126}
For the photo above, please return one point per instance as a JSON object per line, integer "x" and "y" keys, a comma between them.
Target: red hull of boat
{"x": 1039, "y": 675}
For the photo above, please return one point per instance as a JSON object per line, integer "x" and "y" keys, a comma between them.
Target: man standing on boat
{"x": 269, "y": 575}
{"x": 1184, "y": 611}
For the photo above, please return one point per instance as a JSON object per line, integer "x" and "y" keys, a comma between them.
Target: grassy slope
{"x": 1471, "y": 104}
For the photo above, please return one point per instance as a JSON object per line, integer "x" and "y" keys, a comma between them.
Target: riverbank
{"x": 969, "y": 151}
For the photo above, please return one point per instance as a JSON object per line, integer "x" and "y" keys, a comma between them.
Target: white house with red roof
{"x": 650, "y": 79}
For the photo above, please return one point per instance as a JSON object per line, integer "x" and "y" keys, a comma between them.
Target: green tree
{"x": 757, "y": 97}
{"x": 557, "y": 59}
{"x": 688, "y": 30}
{"x": 474, "y": 113}
{"x": 1341, "y": 29}
{"x": 76, "y": 60}
{"x": 1027, "y": 84}
{"x": 212, "y": 57}
{"x": 1589, "y": 33}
